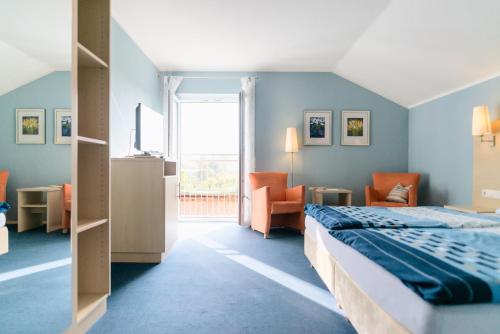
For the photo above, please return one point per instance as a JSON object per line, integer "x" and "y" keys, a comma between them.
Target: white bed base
{"x": 363, "y": 313}
{"x": 363, "y": 308}
{"x": 4, "y": 240}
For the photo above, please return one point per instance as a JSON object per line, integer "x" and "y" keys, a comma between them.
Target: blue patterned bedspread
{"x": 4, "y": 207}
{"x": 355, "y": 217}
{"x": 443, "y": 266}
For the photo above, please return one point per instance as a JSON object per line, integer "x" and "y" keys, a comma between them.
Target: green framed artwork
{"x": 355, "y": 128}
{"x": 30, "y": 126}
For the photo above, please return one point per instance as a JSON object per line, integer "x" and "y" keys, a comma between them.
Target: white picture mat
{"x": 58, "y": 137}
{"x": 356, "y": 141}
{"x": 327, "y": 114}
{"x": 30, "y": 139}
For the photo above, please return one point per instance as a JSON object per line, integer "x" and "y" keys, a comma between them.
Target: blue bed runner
{"x": 443, "y": 266}
{"x": 354, "y": 217}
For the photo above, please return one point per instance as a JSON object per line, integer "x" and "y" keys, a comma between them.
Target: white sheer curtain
{"x": 170, "y": 85}
{"x": 248, "y": 147}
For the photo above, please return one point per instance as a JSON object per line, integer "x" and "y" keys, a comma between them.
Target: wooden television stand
{"x": 144, "y": 209}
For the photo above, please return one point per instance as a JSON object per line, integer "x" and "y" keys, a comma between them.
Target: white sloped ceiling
{"x": 408, "y": 51}
{"x": 35, "y": 39}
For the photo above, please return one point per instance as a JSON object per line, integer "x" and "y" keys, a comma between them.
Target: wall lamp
{"x": 481, "y": 125}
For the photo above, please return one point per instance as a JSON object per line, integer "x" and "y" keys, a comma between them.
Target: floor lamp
{"x": 291, "y": 145}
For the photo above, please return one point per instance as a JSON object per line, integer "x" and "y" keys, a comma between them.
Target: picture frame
{"x": 318, "y": 127}
{"x": 355, "y": 128}
{"x": 62, "y": 126}
{"x": 30, "y": 126}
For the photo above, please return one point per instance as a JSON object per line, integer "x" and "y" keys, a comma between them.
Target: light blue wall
{"x": 440, "y": 142}
{"x": 34, "y": 165}
{"x": 281, "y": 99}
{"x": 134, "y": 79}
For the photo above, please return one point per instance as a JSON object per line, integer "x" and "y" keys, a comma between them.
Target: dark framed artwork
{"x": 317, "y": 127}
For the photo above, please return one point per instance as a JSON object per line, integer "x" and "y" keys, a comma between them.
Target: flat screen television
{"x": 148, "y": 130}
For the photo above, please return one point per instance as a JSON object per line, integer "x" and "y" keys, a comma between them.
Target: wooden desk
{"x": 345, "y": 195}
{"x": 35, "y": 204}
{"x": 470, "y": 209}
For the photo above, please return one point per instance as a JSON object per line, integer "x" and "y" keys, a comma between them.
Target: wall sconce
{"x": 481, "y": 125}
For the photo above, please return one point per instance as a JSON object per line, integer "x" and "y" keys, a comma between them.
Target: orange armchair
{"x": 383, "y": 184}
{"x": 66, "y": 207}
{"x": 4, "y": 176}
{"x": 274, "y": 204}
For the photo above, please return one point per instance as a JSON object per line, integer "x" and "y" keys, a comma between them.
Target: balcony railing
{"x": 209, "y": 186}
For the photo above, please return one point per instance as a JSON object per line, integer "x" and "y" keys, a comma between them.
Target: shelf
{"x": 90, "y": 233}
{"x": 87, "y": 302}
{"x": 87, "y": 224}
{"x": 87, "y": 58}
{"x": 87, "y": 140}
{"x": 33, "y": 206}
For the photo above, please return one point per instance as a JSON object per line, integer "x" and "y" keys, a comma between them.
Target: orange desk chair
{"x": 383, "y": 184}
{"x": 274, "y": 204}
{"x": 66, "y": 207}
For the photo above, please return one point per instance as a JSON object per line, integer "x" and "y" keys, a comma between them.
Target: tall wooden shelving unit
{"x": 90, "y": 211}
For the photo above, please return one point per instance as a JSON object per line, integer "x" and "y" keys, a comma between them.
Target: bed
{"x": 375, "y": 300}
{"x": 4, "y": 232}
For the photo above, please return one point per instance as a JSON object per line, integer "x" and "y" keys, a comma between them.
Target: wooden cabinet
{"x": 144, "y": 209}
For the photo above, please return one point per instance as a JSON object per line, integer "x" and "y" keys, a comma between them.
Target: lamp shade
{"x": 481, "y": 121}
{"x": 291, "y": 144}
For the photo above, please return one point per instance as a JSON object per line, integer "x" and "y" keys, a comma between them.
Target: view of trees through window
{"x": 209, "y": 159}
{"x": 209, "y": 174}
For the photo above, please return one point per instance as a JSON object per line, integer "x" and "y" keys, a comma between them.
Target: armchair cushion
{"x": 280, "y": 207}
{"x": 399, "y": 194}
{"x": 383, "y": 183}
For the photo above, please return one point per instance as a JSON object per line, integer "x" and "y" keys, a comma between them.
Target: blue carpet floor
{"x": 38, "y": 302}
{"x": 200, "y": 289}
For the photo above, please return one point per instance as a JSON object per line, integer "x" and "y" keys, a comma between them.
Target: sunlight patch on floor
{"x": 301, "y": 287}
{"x": 190, "y": 230}
{"x": 34, "y": 269}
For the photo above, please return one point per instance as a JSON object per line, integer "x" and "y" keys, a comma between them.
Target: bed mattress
{"x": 400, "y": 302}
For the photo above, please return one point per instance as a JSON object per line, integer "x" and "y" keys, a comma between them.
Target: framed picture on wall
{"x": 62, "y": 126}
{"x": 355, "y": 128}
{"x": 30, "y": 126}
{"x": 317, "y": 127}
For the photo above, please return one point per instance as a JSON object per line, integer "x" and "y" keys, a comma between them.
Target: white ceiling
{"x": 408, "y": 51}
{"x": 35, "y": 39}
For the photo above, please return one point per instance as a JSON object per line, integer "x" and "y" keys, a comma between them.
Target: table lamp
{"x": 291, "y": 145}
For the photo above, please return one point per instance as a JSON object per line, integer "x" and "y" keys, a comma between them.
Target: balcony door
{"x": 209, "y": 157}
